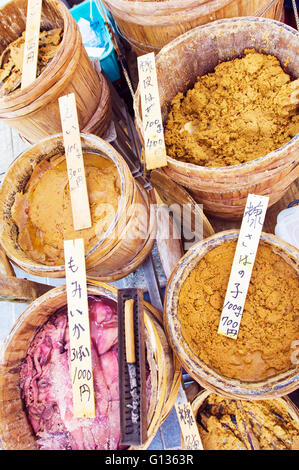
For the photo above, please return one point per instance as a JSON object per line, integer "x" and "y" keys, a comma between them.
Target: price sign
{"x": 247, "y": 245}
{"x": 187, "y": 422}
{"x": 154, "y": 145}
{"x": 79, "y": 330}
{"x": 33, "y": 19}
{"x": 75, "y": 162}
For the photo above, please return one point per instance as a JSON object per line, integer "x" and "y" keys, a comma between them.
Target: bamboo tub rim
{"x": 275, "y": 386}
{"x": 109, "y": 153}
{"x": 210, "y": 171}
{"x": 161, "y": 7}
{"x": 98, "y": 289}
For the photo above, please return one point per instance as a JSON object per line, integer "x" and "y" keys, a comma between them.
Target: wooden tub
{"x": 149, "y": 25}
{"x": 223, "y": 191}
{"x": 34, "y": 110}
{"x": 126, "y": 243}
{"x": 15, "y": 430}
{"x": 277, "y": 385}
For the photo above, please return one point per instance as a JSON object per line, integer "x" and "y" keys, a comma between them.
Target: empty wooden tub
{"x": 34, "y": 110}
{"x": 16, "y": 432}
{"x": 149, "y": 25}
{"x": 223, "y": 190}
{"x": 111, "y": 254}
{"x": 216, "y": 362}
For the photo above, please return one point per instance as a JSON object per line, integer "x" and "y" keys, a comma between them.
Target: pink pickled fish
{"x": 109, "y": 364}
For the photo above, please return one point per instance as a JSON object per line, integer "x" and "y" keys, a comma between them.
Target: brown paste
{"x": 234, "y": 115}
{"x": 246, "y": 425}
{"x": 43, "y": 212}
{"x": 11, "y": 61}
{"x": 270, "y": 321}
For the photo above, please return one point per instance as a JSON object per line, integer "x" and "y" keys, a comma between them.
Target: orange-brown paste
{"x": 270, "y": 321}
{"x": 43, "y": 211}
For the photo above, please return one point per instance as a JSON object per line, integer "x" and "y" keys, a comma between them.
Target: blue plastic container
{"x": 108, "y": 59}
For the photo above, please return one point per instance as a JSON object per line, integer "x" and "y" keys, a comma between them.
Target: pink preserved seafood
{"x": 46, "y": 389}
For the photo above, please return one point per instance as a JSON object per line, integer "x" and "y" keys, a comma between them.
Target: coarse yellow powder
{"x": 270, "y": 320}
{"x": 234, "y": 115}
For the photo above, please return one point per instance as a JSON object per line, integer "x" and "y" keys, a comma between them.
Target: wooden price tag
{"x": 79, "y": 330}
{"x": 154, "y": 145}
{"x": 187, "y": 422}
{"x": 34, "y": 9}
{"x": 75, "y": 162}
{"x": 247, "y": 245}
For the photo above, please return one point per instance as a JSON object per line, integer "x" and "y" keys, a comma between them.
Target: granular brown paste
{"x": 270, "y": 321}
{"x": 246, "y": 425}
{"x": 43, "y": 211}
{"x": 11, "y": 61}
{"x": 233, "y": 115}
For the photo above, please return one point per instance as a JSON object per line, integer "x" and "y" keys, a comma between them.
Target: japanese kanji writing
{"x": 154, "y": 145}
{"x": 78, "y": 318}
{"x": 75, "y": 163}
{"x": 188, "y": 426}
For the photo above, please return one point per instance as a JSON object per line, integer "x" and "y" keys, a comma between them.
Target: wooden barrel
{"x": 283, "y": 404}
{"x": 34, "y": 111}
{"x": 126, "y": 243}
{"x": 223, "y": 191}
{"x": 277, "y": 385}
{"x": 15, "y": 429}
{"x": 150, "y": 25}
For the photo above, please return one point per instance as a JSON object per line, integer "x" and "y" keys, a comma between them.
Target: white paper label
{"x": 79, "y": 330}
{"x": 75, "y": 162}
{"x": 187, "y": 422}
{"x": 247, "y": 245}
{"x": 33, "y": 19}
{"x": 154, "y": 145}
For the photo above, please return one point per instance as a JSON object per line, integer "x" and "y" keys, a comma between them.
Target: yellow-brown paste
{"x": 246, "y": 425}
{"x": 43, "y": 212}
{"x": 11, "y": 61}
{"x": 233, "y": 115}
{"x": 270, "y": 321}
